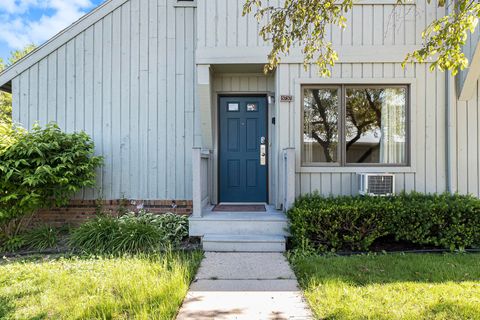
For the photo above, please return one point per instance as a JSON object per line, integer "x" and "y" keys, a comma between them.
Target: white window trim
{"x": 298, "y": 105}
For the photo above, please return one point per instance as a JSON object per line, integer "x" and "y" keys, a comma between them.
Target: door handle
{"x": 263, "y": 151}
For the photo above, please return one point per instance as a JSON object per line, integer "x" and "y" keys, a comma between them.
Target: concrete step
{"x": 243, "y": 243}
{"x": 239, "y": 224}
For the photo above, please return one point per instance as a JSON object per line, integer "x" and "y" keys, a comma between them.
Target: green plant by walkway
{"x": 131, "y": 233}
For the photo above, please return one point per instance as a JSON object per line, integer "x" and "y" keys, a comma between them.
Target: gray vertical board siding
{"x": 128, "y": 81}
{"x": 222, "y": 24}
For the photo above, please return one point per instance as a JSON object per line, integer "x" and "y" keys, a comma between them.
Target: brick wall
{"x": 77, "y": 211}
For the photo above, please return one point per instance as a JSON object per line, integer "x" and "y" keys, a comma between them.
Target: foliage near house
{"x": 130, "y": 233}
{"x": 355, "y": 223}
{"x": 41, "y": 168}
{"x": 306, "y": 23}
{"x": 150, "y": 287}
{"x": 399, "y": 286}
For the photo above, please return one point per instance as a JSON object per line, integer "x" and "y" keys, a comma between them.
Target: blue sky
{"x": 35, "y": 21}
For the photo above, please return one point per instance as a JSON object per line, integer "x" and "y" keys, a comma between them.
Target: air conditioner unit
{"x": 376, "y": 184}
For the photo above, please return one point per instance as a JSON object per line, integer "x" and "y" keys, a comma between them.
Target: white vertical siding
{"x": 128, "y": 81}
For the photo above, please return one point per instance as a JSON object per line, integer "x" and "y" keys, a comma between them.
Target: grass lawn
{"x": 96, "y": 288}
{"x": 396, "y": 286}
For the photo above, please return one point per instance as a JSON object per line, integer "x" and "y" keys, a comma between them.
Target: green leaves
{"x": 444, "y": 38}
{"x": 354, "y": 223}
{"x": 42, "y": 168}
{"x": 303, "y": 24}
{"x": 131, "y": 233}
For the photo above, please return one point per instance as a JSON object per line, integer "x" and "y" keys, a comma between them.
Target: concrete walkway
{"x": 244, "y": 286}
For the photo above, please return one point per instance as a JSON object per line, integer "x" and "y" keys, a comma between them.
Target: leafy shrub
{"x": 354, "y": 223}
{"x": 41, "y": 238}
{"x": 337, "y": 223}
{"x": 39, "y": 169}
{"x": 171, "y": 227}
{"x": 442, "y": 220}
{"x": 130, "y": 233}
{"x": 11, "y": 244}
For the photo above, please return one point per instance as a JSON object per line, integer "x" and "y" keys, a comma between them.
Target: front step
{"x": 243, "y": 243}
{"x": 239, "y": 223}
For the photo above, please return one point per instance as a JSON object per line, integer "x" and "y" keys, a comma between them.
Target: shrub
{"x": 442, "y": 220}
{"x": 130, "y": 233}
{"x": 39, "y": 169}
{"x": 11, "y": 244}
{"x": 354, "y": 223}
{"x": 41, "y": 238}
{"x": 171, "y": 227}
{"x": 337, "y": 223}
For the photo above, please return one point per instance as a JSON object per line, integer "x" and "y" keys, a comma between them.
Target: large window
{"x": 355, "y": 125}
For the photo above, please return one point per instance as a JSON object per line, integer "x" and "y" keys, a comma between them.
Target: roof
{"x": 57, "y": 41}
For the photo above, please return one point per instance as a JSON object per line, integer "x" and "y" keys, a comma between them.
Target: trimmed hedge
{"x": 356, "y": 222}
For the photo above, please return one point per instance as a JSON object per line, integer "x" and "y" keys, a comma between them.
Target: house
{"x": 174, "y": 96}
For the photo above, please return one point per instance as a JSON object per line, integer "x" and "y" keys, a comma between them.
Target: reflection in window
{"x": 320, "y": 130}
{"x": 375, "y": 127}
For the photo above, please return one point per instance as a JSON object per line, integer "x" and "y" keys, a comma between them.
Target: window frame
{"x": 342, "y": 110}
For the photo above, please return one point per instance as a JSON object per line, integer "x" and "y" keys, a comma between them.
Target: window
{"x": 355, "y": 125}
{"x": 252, "y": 107}
{"x": 233, "y": 107}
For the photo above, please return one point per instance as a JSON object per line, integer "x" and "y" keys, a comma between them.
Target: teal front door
{"x": 243, "y": 149}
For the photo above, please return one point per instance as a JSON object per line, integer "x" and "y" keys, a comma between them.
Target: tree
{"x": 305, "y": 22}
{"x": 6, "y": 98}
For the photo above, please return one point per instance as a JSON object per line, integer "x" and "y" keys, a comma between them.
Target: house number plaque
{"x": 286, "y": 98}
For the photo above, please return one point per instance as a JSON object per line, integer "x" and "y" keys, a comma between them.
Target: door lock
{"x": 263, "y": 151}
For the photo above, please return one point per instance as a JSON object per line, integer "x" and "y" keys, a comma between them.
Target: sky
{"x": 23, "y": 22}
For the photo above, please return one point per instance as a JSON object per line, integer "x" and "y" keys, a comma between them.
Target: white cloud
{"x": 18, "y": 28}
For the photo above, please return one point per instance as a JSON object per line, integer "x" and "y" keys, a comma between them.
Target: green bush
{"x": 131, "y": 233}
{"x": 337, "y": 223}
{"x": 40, "y": 169}
{"x": 41, "y": 238}
{"x": 443, "y": 220}
{"x": 355, "y": 222}
{"x": 171, "y": 227}
{"x": 11, "y": 244}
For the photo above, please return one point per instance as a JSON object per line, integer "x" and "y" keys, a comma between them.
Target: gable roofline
{"x": 57, "y": 41}
{"x": 469, "y": 84}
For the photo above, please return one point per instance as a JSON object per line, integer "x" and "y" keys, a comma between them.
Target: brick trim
{"x": 78, "y": 211}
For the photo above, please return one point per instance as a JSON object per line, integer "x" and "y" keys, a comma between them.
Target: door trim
{"x": 217, "y": 138}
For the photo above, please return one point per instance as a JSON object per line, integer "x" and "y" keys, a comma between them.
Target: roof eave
{"x": 7, "y": 87}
